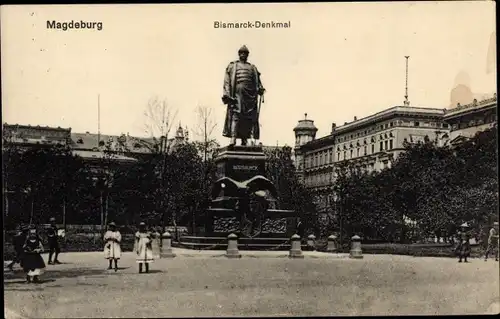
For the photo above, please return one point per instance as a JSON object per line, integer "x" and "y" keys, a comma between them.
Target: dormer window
{"x": 80, "y": 141}
{"x": 137, "y": 145}
{"x": 101, "y": 143}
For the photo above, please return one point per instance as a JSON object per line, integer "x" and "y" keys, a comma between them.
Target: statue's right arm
{"x": 227, "y": 80}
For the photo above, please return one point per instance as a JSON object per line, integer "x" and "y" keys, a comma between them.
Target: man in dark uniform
{"x": 463, "y": 248}
{"x": 242, "y": 86}
{"x": 18, "y": 242}
{"x": 53, "y": 239}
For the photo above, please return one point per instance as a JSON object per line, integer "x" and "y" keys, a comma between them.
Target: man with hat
{"x": 53, "y": 240}
{"x": 242, "y": 88}
{"x": 492, "y": 242}
{"x": 463, "y": 247}
{"x": 18, "y": 243}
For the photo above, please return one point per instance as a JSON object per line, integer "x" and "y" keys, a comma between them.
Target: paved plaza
{"x": 259, "y": 284}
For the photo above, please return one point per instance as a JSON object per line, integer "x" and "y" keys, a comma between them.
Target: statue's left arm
{"x": 260, "y": 86}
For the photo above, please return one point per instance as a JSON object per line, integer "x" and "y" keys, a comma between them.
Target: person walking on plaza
{"x": 492, "y": 242}
{"x": 112, "y": 249}
{"x": 143, "y": 247}
{"x": 33, "y": 263}
{"x": 156, "y": 243}
{"x": 18, "y": 243}
{"x": 53, "y": 239}
{"x": 463, "y": 247}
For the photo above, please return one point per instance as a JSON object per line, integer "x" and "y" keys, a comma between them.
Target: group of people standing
{"x": 463, "y": 248}
{"x": 146, "y": 246}
{"x": 28, "y": 247}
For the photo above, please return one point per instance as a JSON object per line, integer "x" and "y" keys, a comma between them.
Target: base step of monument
{"x": 220, "y": 243}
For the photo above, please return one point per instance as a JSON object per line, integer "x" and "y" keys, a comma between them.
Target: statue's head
{"x": 243, "y": 53}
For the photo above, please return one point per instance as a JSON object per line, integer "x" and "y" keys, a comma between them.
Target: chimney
{"x": 334, "y": 126}
{"x": 355, "y": 118}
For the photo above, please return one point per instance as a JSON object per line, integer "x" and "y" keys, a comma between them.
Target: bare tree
{"x": 159, "y": 119}
{"x": 205, "y": 128}
{"x": 159, "y": 122}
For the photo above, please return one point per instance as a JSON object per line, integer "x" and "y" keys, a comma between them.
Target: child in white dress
{"x": 112, "y": 249}
{"x": 143, "y": 247}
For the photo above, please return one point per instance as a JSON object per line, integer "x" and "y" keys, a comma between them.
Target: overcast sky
{"x": 336, "y": 61}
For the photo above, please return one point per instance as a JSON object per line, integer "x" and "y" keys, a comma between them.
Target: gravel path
{"x": 259, "y": 284}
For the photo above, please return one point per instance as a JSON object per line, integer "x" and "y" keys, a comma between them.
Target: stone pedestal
{"x": 356, "y": 248}
{"x": 240, "y": 162}
{"x": 296, "y": 249}
{"x": 166, "y": 246}
{"x": 232, "y": 247}
{"x": 311, "y": 242}
{"x": 332, "y": 244}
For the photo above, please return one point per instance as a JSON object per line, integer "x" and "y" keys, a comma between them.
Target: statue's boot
{"x": 233, "y": 141}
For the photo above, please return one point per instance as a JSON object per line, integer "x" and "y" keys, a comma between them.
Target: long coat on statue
{"x": 246, "y": 96}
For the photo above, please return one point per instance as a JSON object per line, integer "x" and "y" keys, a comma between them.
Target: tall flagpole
{"x": 406, "y": 102}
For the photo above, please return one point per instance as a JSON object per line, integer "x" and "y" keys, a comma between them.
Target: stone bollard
{"x": 232, "y": 247}
{"x": 296, "y": 248}
{"x": 332, "y": 245}
{"x": 311, "y": 239}
{"x": 166, "y": 246}
{"x": 356, "y": 247}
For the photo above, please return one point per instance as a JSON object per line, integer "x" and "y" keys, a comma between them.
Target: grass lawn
{"x": 204, "y": 285}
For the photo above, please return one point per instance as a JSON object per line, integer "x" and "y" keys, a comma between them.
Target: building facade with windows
{"x": 467, "y": 120}
{"x": 373, "y": 143}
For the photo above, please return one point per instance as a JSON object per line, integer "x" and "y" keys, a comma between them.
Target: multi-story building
{"x": 466, "y": 120}
{"x": 305, "y": 132}
{"x": 27, "y": 136}
{"x": 372, "y": 143}
{"x": 125, "y": 148}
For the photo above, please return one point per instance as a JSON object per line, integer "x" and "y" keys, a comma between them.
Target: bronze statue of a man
{"x": 243, "y": 93}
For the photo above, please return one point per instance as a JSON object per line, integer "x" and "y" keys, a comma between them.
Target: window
{"x": 80, "y": 141}
{"x": 445, "y": 125}
{"x": 390, "y": 144}
{"x": 391, "y": 124}
{"x": 345, "y": 155}
{"x": 351, "y": 154}
{"x": 381, "y": 148}
{"x": 373, "y": 148}
{"x": 357, "y": 152}
{"x": 385, "y": 144}
{"x": 417, "y": 123}
{"x": 364, "y": 151}
{"x": 338, "y": 156}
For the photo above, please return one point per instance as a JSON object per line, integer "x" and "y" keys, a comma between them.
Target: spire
{"x": 406, "y": 102}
